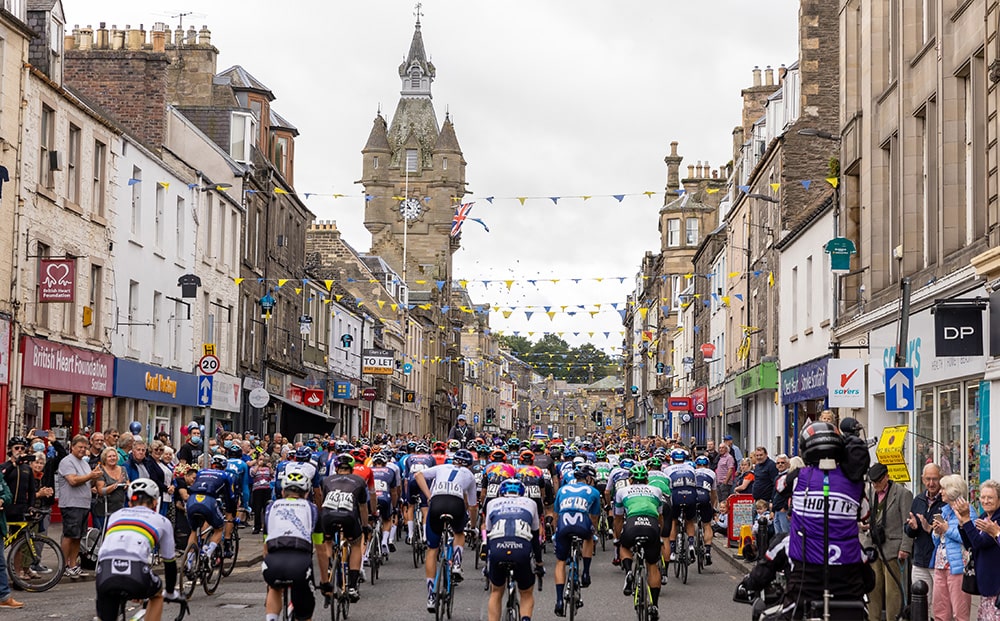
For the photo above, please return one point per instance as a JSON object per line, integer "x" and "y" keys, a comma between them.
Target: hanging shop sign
{"x": 958, "y": 329}
{"x": 56, "y": 280}
{"x": 65, "y": 368}
{"x": 804, "y": 382}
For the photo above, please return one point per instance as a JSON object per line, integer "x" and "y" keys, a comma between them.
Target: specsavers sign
{"x": 378, "y": 362}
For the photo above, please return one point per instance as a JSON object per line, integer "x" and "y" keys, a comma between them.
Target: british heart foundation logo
{"x": 57, "y": 278}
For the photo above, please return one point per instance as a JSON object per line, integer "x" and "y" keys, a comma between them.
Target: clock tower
{"x": 414, "y": 178}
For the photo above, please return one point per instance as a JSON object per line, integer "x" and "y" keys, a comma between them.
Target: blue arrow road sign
{"x": 205, "y": 390}
{"x": 607, "y": 422}
{"x": 475, "y": 419}
{"x": 899, "y": 392}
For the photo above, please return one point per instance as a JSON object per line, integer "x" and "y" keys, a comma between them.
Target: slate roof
{"x": 240, "y": 78}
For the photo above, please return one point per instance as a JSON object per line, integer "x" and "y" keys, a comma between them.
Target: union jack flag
{"x": 460, "y": 216}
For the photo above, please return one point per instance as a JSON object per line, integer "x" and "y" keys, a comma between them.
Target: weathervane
{"x": 417, "y": 12}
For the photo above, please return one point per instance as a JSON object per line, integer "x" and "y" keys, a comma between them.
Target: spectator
{"x": 110, "y": 438}
{"x": 461, "y": 431}
{"x": 884, "y": 531}
{"x": 262, "y": 476}
{"x": 75, "y": 480}
{"x": 782, "y": 494}
{"x": 192, "y": 449}
{"x": 125, "y": 444}
{"x": 163, "y": 437}
{"x": 743, "y": 483}
{"x": 111, "y": 487}
{"x": 712, "y": 454}
{"x": 981, "y": 535}
{"x": 918, "y": 528}
{"x": 141, "y": 465}
{"x": 96, "y": 447}
{"x": 45, "y": 485}
{"x": 764, "y": 475}
{"x": 159, "y": 451}
{"x": 6, "y": 599}
{"x": 950, "y": 602}
{"x": 735, "y": 450}
{"x": 720, "y": 522}
{"x": 725, "y": 472}
{"x": 829, "y": 416}
{"x": 17, "y": 473}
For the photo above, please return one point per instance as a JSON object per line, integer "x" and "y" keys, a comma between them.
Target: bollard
{"x": 918, "y": 601}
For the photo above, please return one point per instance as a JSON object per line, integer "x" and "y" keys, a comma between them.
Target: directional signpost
{"x": 205, "y": 391}
{"x": 899, "y": 392}
{"x": 475, "y": 419}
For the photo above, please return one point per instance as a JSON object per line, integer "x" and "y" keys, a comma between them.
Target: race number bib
{"x": 339, "y": 501}
{"x": 493, "y": 490}
{"x": 381, "y": 486}
{"x": 451, "y": 488}
{"x": 534, "y": 491}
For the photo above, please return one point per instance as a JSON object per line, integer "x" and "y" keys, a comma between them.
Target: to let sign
{"x": 57, "y": 280}
{"x": 378, "y": 361}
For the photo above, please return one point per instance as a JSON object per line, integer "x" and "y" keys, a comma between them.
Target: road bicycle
{"x": 34, "y": 562}
{"x": 684, "y": 553}
{"x": 642, "y": 598}
{"x": 572, "y": 595}
{"x": 603, "y": 528}
{"x": 418, "y": 544}
{"x": 699, "y": 545}
{"x": 473, "y": 541}
{"x": 198, "y": 566}
{"x": 231, "y": 548}
{"x": 373, "y": 551}
{"x": 338, "y": 601}
{"x": 512, "y": 605}
{"x": 139, "y": 612}
{"x": 444, "y": 584}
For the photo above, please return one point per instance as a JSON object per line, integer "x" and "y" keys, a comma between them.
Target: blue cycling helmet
{"x": 701, "y": 460}
{"x": 569, "y": 454}
{"x": 512, "y": 487}
{"x": 678, "y": 455}
{"x": 626, "y": 463}
{"x": 462, "y": 457}
{"x": 303, "y": 453}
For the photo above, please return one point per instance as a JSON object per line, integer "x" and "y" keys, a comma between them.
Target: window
{"x": 157, "y": 310}
{"x": 176, "y": 349}
{"x": 415, "y": 77}
{"x": 411, "y": 160}
{"x": 209, "y": 329}
{"x": 281, "y": 155}
{"x": 94, "y": 296}
{"x": 242, "y": 135}
{"x": 209, "y": 228}
{"x": 160, "y": 224}
{"x": 673, "y": 232}
{"x": 795, "y": 300}
{"x": 692, "y": 232}
{"x": 234, "y": 229}
{"x": 678, "y": 286}
{"x": 41, "y": 310}
{"x": 444, "y": 163}
{"x": 809, "y": 292}
{"x": 136, "y": 183}
{"x": 375, "y": 162}
{"x": 46, "y": 147}
{"x": 73, "y": 165}
{"x": 69, "y": 317}
{"x": 929, "y": 20}
{"x": 99, "y": 188}
{"x": 180, "y": 222}
{"x": 133, "y": 315}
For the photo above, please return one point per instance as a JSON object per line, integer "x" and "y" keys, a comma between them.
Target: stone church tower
{"x": 413, "y": 173}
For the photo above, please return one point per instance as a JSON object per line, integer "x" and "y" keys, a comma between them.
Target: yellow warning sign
{"x": 899, "y": 473}
{"x": 208, "y": 349}
{"x": 890, "y": 445}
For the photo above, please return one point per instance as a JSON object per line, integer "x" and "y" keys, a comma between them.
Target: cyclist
{"x": 299, "y": 461}
{"x": 386, "y": 497}
{"x": 578, "y": 505}
{"x": 123, "y": 564}
{"x": 707, "y": 499}
{"x": 210, "y": 496}
{"x": 638, "y": 513}
{"x": 617, "y": 479}
{"x": 440, "y": 452}
{"x": 453, "y": 445}
{"x": 450, "y": 490}
{"x": 417, "y": 461}
{"x": 513, "y": 538}
{"x": 683, "y": 498}
{"x": 345, "y": 505}
{"x": 494, "y": 474}
{"x": 238, "y": 469}
{"x": 532, "y": 477}
{"x": 289, "y": 536}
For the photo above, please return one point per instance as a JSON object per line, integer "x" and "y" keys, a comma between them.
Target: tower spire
{"x": 418, "y": 12}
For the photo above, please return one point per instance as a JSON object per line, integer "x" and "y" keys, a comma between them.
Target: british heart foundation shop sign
{"x": 58, "y": 280}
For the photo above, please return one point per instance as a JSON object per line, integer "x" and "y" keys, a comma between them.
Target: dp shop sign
{"x": 958, "y": 330}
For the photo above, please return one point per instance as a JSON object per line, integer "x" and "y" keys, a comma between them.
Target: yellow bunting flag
{"x": 585, "y": 197}
{"x": 238, "y": 280}
{"x": 394, "y": 307}
{"x": 339, "y": 296}
{"x": 164, "y": 185}
{"x": 329, "y": 284}
{"x": 643, "y": 312}
{"x": 463, "y": 283}
{"x": 649, "y": 193}
{"x": 734, "y": 274}
{"x": 833, "y": 181}
{"x": 506, "y": 314}
{"x": 775, "y": 186}
{"x": 711, "y": 190}
{"x": 280, "y": 191}
{"x": 381, "y": 303}
{"x": 282, "y": 281}
{"x": 221, "y": 188}
{"x": 521, "y": 199}
{"x": 298, "y": 290}
{"x": 770, "y": 279}
{"x": 551, "y": 314}
{"x": 509, "y": 283}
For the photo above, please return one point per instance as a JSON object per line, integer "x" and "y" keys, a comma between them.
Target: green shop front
{"x": 757, "y": 389}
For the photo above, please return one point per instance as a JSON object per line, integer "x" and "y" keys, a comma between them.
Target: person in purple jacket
{"x": 981, "y": 535}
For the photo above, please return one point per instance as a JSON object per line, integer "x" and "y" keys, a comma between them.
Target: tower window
{"x": 375, "y": 162}
{"x": 411, "y": 160}
{"x": 444, "y": 164}
{"x": 415, "y": 78}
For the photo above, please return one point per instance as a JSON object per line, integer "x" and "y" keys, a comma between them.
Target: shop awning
{"x": 291, "y": 425}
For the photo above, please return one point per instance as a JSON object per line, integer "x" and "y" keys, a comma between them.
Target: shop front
{"x": 69, "y": 386}
{"x": 950, "y": 423}
{"x": 803, "y": 397}
{"x": 5, "y": 332}
{"x": 345, "y": 403}
{"x": 756, "y": 388}
{"x": 158, "y": 399}
{"x": 227, "y": 401}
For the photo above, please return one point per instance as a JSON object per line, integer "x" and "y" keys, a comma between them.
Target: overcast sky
{"x": 549, "y": 98}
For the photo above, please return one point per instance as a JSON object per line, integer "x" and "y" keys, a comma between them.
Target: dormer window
{"x": 415, "y": 77}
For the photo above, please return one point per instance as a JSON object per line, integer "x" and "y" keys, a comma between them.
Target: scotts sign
{"x": 56, "y": 280}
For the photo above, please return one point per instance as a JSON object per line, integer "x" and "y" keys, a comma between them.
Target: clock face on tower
{"x": 409, "y": 209}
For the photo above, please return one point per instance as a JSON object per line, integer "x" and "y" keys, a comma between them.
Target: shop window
{"x": 949, "y": 436}
{"x": 924, "y": 419}
{"x": 972, "y": 438}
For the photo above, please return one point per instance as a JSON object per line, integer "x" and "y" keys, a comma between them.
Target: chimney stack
{"x": 756, "y": 76}
{"x": 204, "y": 36}
{"x": 769, "y": 76}
{"x": 159, "y": 38}
{"x": 782, "y": 72}
{"x": 673, "y": 162}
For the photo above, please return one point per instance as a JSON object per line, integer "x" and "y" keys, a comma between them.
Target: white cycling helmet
{"x": 143, "y": 487}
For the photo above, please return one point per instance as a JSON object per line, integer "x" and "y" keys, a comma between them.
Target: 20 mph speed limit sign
{"x": 208, "y": 365}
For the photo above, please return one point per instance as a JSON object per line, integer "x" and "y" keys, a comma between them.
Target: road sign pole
{"x": 904, "y": 322}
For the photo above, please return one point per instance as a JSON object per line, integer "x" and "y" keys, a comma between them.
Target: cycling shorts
{"x": 703, "y": 495}
{"x": 120, "y": 577}
{"x": 506, "y": 553}
{"x": 349, "y": 522}
{"x": 643, "y": 526}
{"x": 564, "y": 536}
{"x": 444, "y": 505}
{"x": 384, "y": 507}
{"x": 414, "y": 494}
{"x": 683, "y": 501}
{"x": 202, "y": 509}
{"x": 292, "y": 568}
{"x": 706, "y": 512}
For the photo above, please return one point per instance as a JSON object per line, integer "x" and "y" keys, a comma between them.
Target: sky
{"x": 550, "y": 98}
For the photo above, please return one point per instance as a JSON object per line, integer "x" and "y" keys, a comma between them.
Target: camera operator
{"x": 17, "y": 473}
{"x": 823, "y": 548}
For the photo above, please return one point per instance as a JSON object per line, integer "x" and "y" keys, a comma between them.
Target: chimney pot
{"x": 690, "y": 171}
{"x": 673, "y": 149}
{"x": 85, "y": 38}
{"x": 769, "y": 76}
{"x": 69, "y": 42}
{"x": 178, "y": 36}
{"x": 715, "y": 174}
{"x": 192, "y": 36}
{"x": 117, "y": 38}
{"x": 133, "y": 39}
{"x": 159, "y": 41}
{"x": 102, "y": 37}
{"x": 756, "y": 76}
{"x": 204, "y": 36}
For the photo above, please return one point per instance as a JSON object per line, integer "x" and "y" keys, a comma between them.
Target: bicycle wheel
{"x": 641, "y": 595}
{"x": 699, "y": 552}
{"x": 286, "y": 614}
{"x": 229, "y": 564}
{"x": 187, "y": 573}
{"x": 569, "y": 591}
{"x": 375, "y": 557}
{"x": 513, "y": 605}
{"x": 89, "y": 546}
{"x": 212, "y": 573}
{"x": 685, "y": 561}
{"x": 602, "y": 526}
{"x": 39, "y": 565}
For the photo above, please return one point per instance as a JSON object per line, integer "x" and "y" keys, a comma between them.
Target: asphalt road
{"x": 400, "y": 594}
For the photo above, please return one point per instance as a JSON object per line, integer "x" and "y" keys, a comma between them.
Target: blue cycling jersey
{"x": 215, "y": 483}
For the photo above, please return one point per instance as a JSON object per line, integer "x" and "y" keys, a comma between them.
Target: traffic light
{"x": 489, "y": 416}
{"x": 596, "y": 417}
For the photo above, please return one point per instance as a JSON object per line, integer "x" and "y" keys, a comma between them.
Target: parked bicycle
{"x": 34, "y": 562}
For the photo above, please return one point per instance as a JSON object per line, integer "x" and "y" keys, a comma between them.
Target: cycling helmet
{"x": 701, "y": 460}
{"x": 462, "y": 457}
{"x": 527, "y": 458}
{"x": 579, "y": 459}
{"x": 538, "y": 446}
{"x": 439, "y": 446}
{"x": 303, "y": 454}
{"x": 678, "y": 455}
{"x": 638, "y": 473}
{"x": 569, "y": 454}
{"x": 422, "y": 447}
{"x": 498, "y": 455}
{"x": 513, "y": 443}
{"x": 556, "y": 451}
{"x": 343, "y": 461}
{"x": 234, "y": 451}
{"x": 600, "y": 455}
{"x": 379, "y": 458}
{"x": 143, "y": 487}
{"x": 219, "y": 461}
{"x": 630, "y": 452}
{"x": 411, "y": 446}
{"x": 582, "y": 471}
{"x": 17, "y": 441}
{"x": 313, "y": 444}
{"x": 626, "y": 463}
{"x": 454, "y": 445}
{"x": 296, "y": 481}
{"x": 359, "y": 455}
{"x": 654, "y": 463}
{"x": 512, "y": 487}
{"x": 820, "y": 440}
